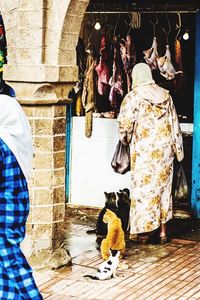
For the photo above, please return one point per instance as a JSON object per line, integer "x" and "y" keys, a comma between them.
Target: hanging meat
{"x": 81, "y": 59}
{"x": 128, "y": 56}
{"x": 178, "y": 82}
{"x": 151, "y": 55}
{"x": 102, "y": 69}
{"x": 79, "y": 105}
{"x": 88, "y": 95}
{"x": 131, "y": 53}
{"x": 165, "y": 65}
{"x": 118, "y": 77}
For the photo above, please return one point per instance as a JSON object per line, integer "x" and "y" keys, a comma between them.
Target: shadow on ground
{"x": 188, "y": 229}
{"x": 78, "y": 241}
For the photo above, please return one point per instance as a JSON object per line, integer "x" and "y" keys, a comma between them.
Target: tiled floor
{"x": 148, "y": 272}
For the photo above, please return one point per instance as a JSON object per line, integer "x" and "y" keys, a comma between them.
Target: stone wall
{"x": 41, "y": 37}
{"x": 47, "y": 187}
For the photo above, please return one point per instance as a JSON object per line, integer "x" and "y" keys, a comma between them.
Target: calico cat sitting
{"x": 110, "y": 203}
{"x": 123, "y": 204}
{"x": 108, "y": 268}
{"x": 115, "y": 239}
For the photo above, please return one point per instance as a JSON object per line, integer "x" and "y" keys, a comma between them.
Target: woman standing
{"x": 148, "y": 121}
{"x": 16, "y": 279}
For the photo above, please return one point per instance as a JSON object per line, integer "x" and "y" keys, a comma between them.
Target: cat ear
{"x": 115, "y": 253}
{"x": 118, "y": 254}
{"x": 127, "y": 191}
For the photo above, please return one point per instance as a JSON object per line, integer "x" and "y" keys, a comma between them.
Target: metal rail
{"x": 144, "y": 12}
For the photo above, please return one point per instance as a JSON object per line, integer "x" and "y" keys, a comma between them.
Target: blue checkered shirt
{"x": 16, "y": 279}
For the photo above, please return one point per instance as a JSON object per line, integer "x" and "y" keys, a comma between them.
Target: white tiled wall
{"x": 187, "y": 128}
{"x": 91, "y": 171}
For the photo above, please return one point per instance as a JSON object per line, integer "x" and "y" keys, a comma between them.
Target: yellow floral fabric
{"x": 151, "y": 127}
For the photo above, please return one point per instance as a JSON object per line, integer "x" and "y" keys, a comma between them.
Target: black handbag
{"x": 121, "y": 158}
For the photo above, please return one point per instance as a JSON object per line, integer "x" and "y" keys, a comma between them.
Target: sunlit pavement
{"x": 169, "y": 271}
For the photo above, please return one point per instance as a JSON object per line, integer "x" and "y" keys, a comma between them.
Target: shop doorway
{"x": 167, "y": 25}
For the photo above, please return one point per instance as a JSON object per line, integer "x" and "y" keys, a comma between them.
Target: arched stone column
{"x": 41, "y": 38}
{"x": 41, "y": 41}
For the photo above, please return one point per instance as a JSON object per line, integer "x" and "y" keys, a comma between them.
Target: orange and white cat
{"x": 115, "y": 237}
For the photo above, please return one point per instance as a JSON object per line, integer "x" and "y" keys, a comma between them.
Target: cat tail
{"x": 91, "y": 231}
{"x": 92, "y": 277}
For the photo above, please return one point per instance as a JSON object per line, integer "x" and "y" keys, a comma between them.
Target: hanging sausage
{"x": 88, "y": 96}
{"x": 178, "y": 82}
{"x": 178, "y": 59}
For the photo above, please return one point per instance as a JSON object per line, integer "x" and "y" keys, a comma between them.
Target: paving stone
{"x": 148, "y": 272}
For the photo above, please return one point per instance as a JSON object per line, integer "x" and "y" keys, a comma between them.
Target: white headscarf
{"x": 15, "y": 131}
{"x": 141, "y": 75}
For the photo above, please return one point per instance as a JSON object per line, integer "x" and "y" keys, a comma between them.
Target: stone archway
{"x": 9, "y": 12}
{"x": 41, "y": 39}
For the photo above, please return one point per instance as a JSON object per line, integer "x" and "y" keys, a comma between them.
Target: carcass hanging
{"x": 165, "y": 65}
{"x": 151, "y": 55}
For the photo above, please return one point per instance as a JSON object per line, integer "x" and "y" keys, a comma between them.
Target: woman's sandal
{"x": 139, "y": 238}
{"x": 143, "y": 239}
{"x": 164, "y": 239}
{"x": 133, "y": 237}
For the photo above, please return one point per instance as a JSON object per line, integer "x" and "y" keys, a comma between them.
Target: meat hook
{"x": 178, "y": 26}
{"x": 154, "y": 24}
{"x": 168, "y": 22}
{"x": 166, "y": 34}
{"x": 114, "y": 32}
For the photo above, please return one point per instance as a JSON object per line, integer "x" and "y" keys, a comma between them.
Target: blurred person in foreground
{"x": 16, "y": 279}
{"x": 149, "y": 124}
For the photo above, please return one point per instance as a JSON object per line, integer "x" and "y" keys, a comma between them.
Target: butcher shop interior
{"x": 115, "y": 35}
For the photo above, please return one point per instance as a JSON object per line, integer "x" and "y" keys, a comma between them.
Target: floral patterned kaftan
{"x": 148, "y": 121}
